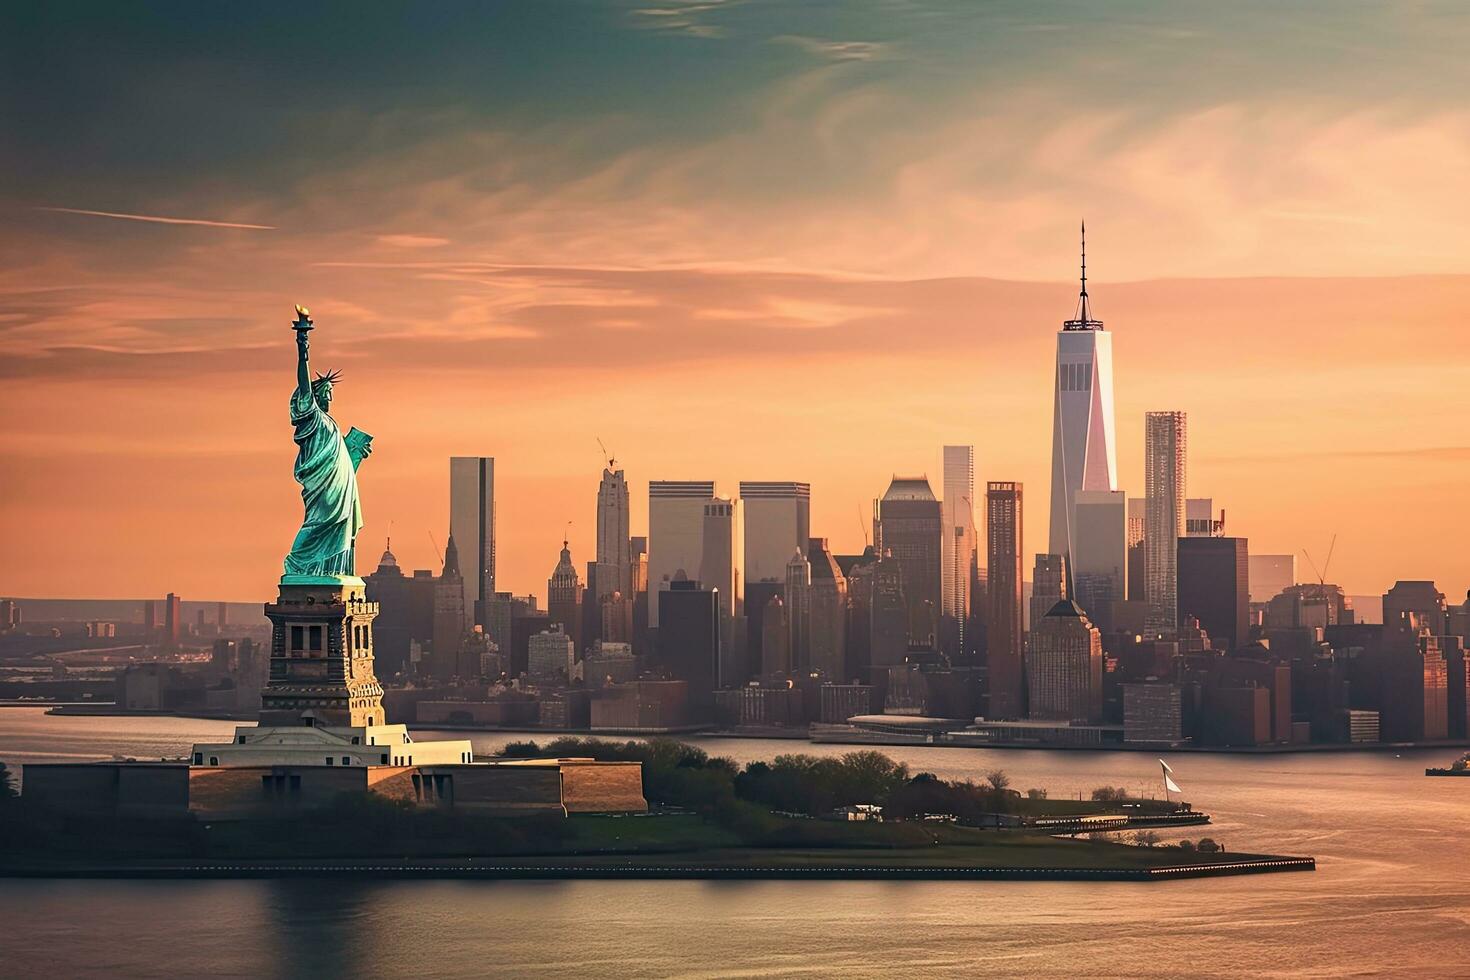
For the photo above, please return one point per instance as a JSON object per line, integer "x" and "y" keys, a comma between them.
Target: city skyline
{"x": 496, "y": 269}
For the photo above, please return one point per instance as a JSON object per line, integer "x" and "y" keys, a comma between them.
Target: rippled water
{"x": 1389, "y": 896}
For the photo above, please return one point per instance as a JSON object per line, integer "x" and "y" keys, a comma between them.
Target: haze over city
{"x": 734, "y": 241}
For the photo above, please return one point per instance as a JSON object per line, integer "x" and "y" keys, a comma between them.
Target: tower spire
{"x": 1083, "y": 320}
{"x": 1083, "y": 313}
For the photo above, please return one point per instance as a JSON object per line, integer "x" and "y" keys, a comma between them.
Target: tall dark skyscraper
{"x": 689, "y": 639}
{"x": 1003, "y": 541}
{"x": 910, "y": 526}
{"x": 472, "y": 524}
{"x": 1214, "y": 587}
{"x": 173, "y": 625}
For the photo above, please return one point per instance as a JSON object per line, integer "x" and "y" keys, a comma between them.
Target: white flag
{"x": 1165, "y": 765}
{"x": 1170, "y": 785}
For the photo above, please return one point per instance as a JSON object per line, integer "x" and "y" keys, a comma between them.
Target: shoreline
{"x": 704, "y": 865}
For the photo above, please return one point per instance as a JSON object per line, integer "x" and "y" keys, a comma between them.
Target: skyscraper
{"x": 614, "y": 550}
{"x": 958, "y": 545}
{"x": 472, "y": 525}
{"x": 1048, "y": 587}
{"x": 675, "y": 534}
{"x": 1214, "y": 577}
{"x": 911, "y": 526}
{"x": 721, "y": 557}
{"x": 827, "y": 615}
{"x": 777, "y": 521}
{"x": 1083, "y": 442}
{"x": 449, "y": 615}
{"x": 1064, "y": 666}
{"x": 689, "y": 639}
{"x": 564, "y": 598}
{"x": 1137, "y": 512}
{"x": 173, "y": 624}
{"x": 1100, "y": 554}
{"x": 1165, "y": 445}
{"x": 798, "y": 609}
{"x": 1003, "y": 540}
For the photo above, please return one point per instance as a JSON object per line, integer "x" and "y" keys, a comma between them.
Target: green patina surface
{"x": 324, "y": 550}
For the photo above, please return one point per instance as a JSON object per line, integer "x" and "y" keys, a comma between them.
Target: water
{"x": 1389, "y": 897}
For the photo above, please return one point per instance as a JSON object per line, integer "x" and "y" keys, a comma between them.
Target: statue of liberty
{"x": 326, "y": 468}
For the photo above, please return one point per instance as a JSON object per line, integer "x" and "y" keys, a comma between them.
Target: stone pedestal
{"x": 321, "y": 664}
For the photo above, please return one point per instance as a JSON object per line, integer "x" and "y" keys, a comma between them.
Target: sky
{"x": 732, "y": 240}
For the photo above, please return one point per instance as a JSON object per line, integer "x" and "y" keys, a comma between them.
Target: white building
{"x": 472, "y": 526}
{"x": 614, "y": 547}
{"x": 1165, "y": 448}
{"x": 777, "y": 516}
{"x": 675, "y": 533}
{"x": 957, "y": 547}
{"x": 311, "y": 745}
{"x": 1084, "y": 443}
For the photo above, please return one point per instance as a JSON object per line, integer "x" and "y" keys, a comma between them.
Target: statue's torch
{"x": 303, "y": 323}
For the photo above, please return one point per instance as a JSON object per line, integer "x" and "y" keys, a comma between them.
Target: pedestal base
{"x": 321, "y": 670}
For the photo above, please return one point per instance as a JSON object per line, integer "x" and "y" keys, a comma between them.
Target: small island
{"x": 857, "y": 816}
{"x": 1460, "y": 767}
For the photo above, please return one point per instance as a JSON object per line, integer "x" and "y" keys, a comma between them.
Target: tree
{"x": 1145, "y": 838}
{"x": 1035, "y": 794}
{"x": 1186, "y": 845}
{"x": 1109, "y": 794}
{"x": 1207, "y": 845}
{"x": 998, "y": 780}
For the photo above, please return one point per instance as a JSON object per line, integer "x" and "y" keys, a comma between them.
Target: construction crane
{"x": 612, "y": 464}
{"x": 1322, "y": 572}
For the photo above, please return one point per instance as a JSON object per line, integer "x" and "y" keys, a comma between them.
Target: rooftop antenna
{"x": 566, "y": 534}
{"x": 434, "y": 543}
{"x": 862, "y": 525}
{"x": 611, "y": 462}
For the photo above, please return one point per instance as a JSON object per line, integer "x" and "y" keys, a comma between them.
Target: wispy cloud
{"x": 412, "y": 241}
{"x": 834, "y": 50}
{"x": 159, "y": 219}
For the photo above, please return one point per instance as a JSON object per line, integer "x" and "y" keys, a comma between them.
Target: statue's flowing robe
{"x": 328, "y": 478}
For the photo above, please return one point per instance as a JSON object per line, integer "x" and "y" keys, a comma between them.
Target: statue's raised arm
{"x": 302, "y": 326}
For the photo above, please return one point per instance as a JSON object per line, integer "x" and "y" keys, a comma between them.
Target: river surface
{"x": 1390, "y": 896}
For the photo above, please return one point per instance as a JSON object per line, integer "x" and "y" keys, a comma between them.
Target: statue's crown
{"x": 326, "y": 378}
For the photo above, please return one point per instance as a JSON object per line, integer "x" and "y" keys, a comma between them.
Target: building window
{"x": 198, "y": 758}
{"x": 316, "y": 639}
{"x": 214, "y": 760}
{"x": 241, "y": 740}
{"x": 347, "y": 760}
{"x": 329, "y": 760}
{"x": 298, "y": 638}
{"x": 356, "y": 740}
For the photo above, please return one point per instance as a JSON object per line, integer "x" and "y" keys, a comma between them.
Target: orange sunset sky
{"x": 733, "y": 240}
